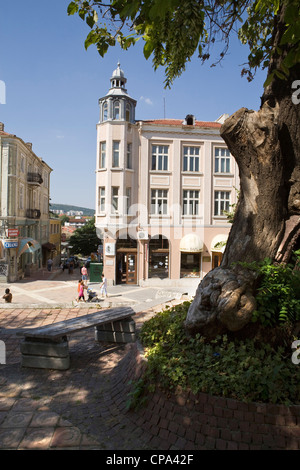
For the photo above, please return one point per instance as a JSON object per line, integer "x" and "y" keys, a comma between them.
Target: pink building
{"x": 163, "y": 187}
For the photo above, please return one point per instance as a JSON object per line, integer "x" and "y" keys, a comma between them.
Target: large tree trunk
{"x": 266, "y": 146}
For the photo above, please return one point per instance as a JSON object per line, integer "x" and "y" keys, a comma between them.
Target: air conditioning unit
{"x": 142, "y": 235}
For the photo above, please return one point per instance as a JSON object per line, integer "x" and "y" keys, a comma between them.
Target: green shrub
{"x": 222, "y": 367}
{"x": 278, "y": 292}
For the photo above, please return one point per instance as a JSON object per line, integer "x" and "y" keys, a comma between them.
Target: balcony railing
{"x": 33, "y": 213}
{"x": 34, "y": 178}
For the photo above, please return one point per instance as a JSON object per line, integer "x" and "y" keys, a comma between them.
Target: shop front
{"x": 191, "y": 247}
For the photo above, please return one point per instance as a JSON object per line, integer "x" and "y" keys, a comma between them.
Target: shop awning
{"x": 191, "y": 243}
{"x": 218, "y": 243}
{"x": 28, "y": 245}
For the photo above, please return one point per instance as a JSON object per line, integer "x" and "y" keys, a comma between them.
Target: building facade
{"x": 24, "y": 208}
{"x": 163, "y": 188}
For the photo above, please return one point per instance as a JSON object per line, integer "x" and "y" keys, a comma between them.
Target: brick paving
{"x": 80, "y": 408}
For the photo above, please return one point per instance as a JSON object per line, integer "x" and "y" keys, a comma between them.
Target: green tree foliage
{"x": 84, "y": 241}
{"x": 174, "y": 30}
{"x": 278, "y": 292}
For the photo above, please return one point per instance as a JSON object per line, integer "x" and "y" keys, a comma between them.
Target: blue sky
{"x": 53, "y": 85}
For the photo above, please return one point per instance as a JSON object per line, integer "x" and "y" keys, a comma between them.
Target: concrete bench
{"x": 46, "y": 347}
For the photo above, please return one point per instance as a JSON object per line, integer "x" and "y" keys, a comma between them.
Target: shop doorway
{"x": 216, "y": 259}
{"x": 126, "y": 266}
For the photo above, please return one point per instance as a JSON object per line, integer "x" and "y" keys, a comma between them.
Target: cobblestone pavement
{"x": 83, "y": 407}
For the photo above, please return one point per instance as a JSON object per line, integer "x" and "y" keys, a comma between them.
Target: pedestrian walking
{"x": 84, "y": 273}
{"x": 49, "y": 264}
{"x": 103, "y": 286}
{"x": 7, "y": 296}
{"x": 80, "y": 290}
{"x": 71, "y": 267}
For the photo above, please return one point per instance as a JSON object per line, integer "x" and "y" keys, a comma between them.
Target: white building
{"x": 162, "y": 188}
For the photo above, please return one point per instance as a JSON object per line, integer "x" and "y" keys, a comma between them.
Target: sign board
{"x": 110, "y": 249}
{"x": 12, "y": 232}
{"x": 10, "y": 244}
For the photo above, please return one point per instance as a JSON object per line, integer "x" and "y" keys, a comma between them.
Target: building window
{"x": 101, "y": 199}
{"x": 45, "y": 205}
{"x": 128, "y": 109}
{"x": 128, "y": 199}
{"x": 116, "y": 154}
{"x": 102, "y": 161}
{"x": 129, "y": 156}
{"x": 115, "y": 199}
{"x": 222, "y": 160}
{"x": 116, "y": 110}
{"x": 46, "y": 179}
{"x": 191, "y": 158}
{"x": 21, "y": 196}
{"x": 22, "y": 164}
{"x": 105, "y": 111}
{"x": 159, "y": 201}
{"x": 160, "y": 157}
{"x": 222, "y": 202}
{"x": 190, "y": 202}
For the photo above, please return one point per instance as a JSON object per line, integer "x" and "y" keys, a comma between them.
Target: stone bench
{"x": 46, "y": 347}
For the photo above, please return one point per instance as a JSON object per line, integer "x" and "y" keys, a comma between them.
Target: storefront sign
{"x": 10, "y": 244}
{"x": 12, "y": 232}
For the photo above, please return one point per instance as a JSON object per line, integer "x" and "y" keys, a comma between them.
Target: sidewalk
{"x": 59, "y": 289}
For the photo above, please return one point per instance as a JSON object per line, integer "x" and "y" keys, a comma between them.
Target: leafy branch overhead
{"x": 174, "y": 31}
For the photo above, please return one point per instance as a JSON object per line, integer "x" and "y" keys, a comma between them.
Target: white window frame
{"x": 116, "y": 154}
{"x": 101, "y": 199}
{"x": 115, "y": 199}
{"x": 190, "y": 202}
{"x": 129, "y": 156}
{"x": 117, "y": 110}
{"x": 160, "y": 157}
{"x": 102, "y": 155}
{"x": 105, "y": 111}
{"x": 191, "y": 158}
{"x": 128, "y": 199}
{"x": 222, "y": 160}
{"x": 221, "y": 202}
{"x": 159, "y": 201}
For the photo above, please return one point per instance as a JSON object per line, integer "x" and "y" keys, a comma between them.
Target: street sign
{"x": 11, "y": 244}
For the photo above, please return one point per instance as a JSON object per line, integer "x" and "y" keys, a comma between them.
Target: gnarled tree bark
{"x": 266, "y": 146}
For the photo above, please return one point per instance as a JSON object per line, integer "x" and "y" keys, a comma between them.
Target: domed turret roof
{"x": 118, "y": 73}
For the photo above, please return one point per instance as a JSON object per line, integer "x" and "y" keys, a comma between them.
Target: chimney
{"x": 1, "y": 126}
{"x": 29, "y": 145}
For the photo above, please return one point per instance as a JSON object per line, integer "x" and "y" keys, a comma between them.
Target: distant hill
{"x": 65, "y": 208}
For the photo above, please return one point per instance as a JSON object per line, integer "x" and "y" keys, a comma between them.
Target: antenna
{"x": 164, "y": 108}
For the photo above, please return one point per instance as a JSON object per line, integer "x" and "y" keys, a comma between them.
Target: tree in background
{"x": 84, "y": 240}
{"x": 265, "y": 143}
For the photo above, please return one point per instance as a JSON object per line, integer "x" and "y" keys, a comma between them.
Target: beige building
{"x": 163, "y": 187}
{"x": 24, "y": 208}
